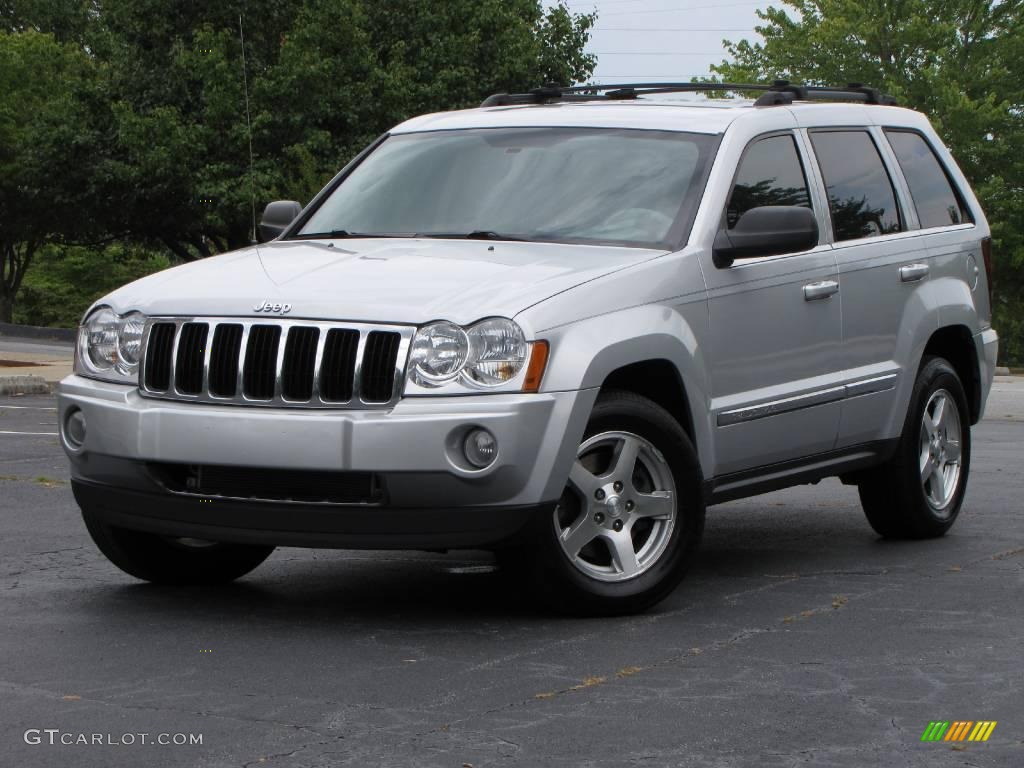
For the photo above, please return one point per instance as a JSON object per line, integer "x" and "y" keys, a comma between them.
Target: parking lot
{"x": 800, "y": 639}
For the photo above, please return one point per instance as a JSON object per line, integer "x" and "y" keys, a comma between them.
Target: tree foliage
{"x": 45, "y": 151}
{"x": 65, "y": 280}
{"x": 138, "y": 112}
{"x": 959, "y": 61}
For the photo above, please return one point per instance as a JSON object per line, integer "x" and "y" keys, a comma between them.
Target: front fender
{"x": 586, "y": 352}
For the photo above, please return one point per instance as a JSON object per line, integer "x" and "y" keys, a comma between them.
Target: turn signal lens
{"x": 535, "y": 370}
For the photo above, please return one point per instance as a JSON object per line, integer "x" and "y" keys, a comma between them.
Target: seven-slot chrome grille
{"x": 297, "y": 363}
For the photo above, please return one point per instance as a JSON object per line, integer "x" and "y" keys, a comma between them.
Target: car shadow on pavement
{"x": 337, "y": 592}
{"x": 338, "y": 589}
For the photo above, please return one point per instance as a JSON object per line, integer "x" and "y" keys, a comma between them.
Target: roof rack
{"x": 779, "y": 93}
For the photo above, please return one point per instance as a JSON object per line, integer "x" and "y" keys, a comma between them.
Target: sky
{"x": 664, "y": 40}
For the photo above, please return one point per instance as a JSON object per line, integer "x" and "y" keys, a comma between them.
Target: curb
{"x": 36, "y": 332}
{"x": 24, "y": 385}
{"x": 1001, "y": 371}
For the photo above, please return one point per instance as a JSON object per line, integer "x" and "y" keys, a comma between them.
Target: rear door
{"x": 774, "y": 351}
{"x": 880, "y": 259}
{"x": 945, "y": 220}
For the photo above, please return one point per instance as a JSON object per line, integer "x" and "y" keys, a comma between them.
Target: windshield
{"x": 604, "y": 185}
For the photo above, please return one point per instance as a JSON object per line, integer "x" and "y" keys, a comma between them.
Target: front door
{"x": 774, "y": 351}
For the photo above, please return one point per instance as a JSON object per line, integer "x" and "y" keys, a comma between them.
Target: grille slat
{"x": 227, "y": 343}
{"x": 188, "y": 369}
{"x": 378, "y": 374}
{"x": 299, "y": 363}
{"x": 286, "y": 363}
{"x": 158, "y": 358}
{"x": 338, "y": 369}
{"x": 261, "y": 362}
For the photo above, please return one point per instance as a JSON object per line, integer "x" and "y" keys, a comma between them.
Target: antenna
{"x": 248, "y": 125}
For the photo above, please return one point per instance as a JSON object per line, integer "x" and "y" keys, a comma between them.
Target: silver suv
{"x": 557, "y": 327}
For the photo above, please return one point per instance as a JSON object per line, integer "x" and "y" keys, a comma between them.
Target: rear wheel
{"x": 630, "y": 520}
{"x": 918, "y": 493}
{"x": 169, "y": 560}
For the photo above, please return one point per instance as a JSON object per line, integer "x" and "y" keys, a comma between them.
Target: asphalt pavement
{"x": 800, "y": 639}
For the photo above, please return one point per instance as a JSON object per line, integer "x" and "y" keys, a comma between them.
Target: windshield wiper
{"x": 476, "y": 234}
{"x": 342, "y": 234}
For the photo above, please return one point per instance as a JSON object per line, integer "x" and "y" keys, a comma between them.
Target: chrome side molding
{"x": 811, "y": 399}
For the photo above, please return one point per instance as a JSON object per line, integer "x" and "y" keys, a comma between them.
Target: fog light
{"x": 74, "y": 428}
{"x": 481, "y": 448}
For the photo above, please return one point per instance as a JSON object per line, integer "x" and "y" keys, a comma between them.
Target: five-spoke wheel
{"x": 623, "y": 509}
{"x": 629, "y": 522}
{"x": 940, "y": 450}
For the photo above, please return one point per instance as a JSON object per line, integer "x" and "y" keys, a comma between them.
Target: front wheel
{"x": 917, "y": 494}
{"x": 170, "y": 560}
{"x": 629, "y": 523}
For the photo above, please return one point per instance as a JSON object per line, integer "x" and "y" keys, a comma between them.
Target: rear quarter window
{"x": 937, "y": 201}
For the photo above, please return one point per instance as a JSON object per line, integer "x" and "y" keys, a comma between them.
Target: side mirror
{"x": 769, "y": 230}
{"x": 276, "y": 218}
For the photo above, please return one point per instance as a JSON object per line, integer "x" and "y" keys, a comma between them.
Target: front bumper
{"x": 306, "y": 525}
{"x": 413, "y": 447}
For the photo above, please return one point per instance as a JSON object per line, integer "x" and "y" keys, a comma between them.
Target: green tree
{"x": 136, "y": 111}
{"x": 64, "y": 280}
{"x": 959, "y": 61}
{"x": 46, "y": 151}
{"x": 350, "y": 69}
{"x": 324, "y": 78}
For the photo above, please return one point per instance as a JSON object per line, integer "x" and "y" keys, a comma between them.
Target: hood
{"x": 402, "y": 281}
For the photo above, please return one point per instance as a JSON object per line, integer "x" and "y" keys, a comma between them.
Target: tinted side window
{"x": 770, "y": 173}
{"x": 936, "y": 202}
{"x": 860, "y": 192}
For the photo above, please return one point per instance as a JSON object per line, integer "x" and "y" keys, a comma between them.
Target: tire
{"x": 638, "y": 531}
{"x": 165, "y": 560}
{"x": 917, "y": 494}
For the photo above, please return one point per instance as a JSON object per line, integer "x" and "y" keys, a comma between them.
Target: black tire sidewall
{"x": 574, "y": 590}
{"x": 935, "y": 374}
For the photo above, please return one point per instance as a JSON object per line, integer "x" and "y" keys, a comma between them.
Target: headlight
{"x": 129, "y": 339}
{"x": 484, "y": 356}
{"x": 497, "y": 352}
{"x": 110, "y": 345}
{"x": 439, "y": 354}
{"x": 101, "y": 339}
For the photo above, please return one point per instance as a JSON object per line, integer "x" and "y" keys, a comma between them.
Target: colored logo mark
{"x": 958, "y": 730}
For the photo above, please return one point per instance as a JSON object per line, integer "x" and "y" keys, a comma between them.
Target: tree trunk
{"x": 14, "y": 261}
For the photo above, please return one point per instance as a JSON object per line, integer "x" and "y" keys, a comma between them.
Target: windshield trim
{"x": 678, "y": 234}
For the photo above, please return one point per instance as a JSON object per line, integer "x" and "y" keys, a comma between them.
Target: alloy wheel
{"x": 616, "y": 518}
{"x": 940, "y": 451}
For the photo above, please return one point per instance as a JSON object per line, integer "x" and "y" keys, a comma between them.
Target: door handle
{"x": 819, "y": 291}
{"x": 910, "y": 273}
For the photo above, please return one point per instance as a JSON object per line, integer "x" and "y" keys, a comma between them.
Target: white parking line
{"x": 29, "y": 407}
{"x": 45, "y": 434}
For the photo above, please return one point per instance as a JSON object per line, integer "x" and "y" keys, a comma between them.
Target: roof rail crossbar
{"x": 780, "y": 92}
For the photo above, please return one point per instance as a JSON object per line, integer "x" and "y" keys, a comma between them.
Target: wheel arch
{"x": 955, "y": 344}
{"x": 659, "y": 381}
{"x": 650, "y": 350}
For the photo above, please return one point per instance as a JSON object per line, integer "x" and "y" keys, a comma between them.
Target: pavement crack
{"x": 1008, "y": 553}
